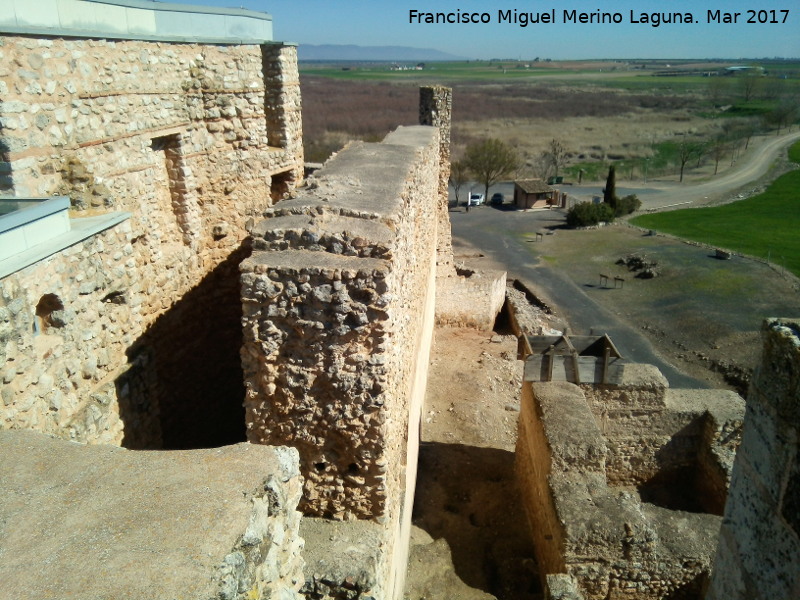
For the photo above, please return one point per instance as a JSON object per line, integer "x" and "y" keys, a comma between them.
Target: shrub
{"x": 589, "y": 213}
{"x": 627, "y": 204}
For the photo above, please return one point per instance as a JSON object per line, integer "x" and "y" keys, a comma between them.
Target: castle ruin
{"x": 182, "y": 289}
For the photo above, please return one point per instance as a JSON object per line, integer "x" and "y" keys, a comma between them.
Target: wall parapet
{"x": 758, "y": 556}
{"x": 338, "y": 302}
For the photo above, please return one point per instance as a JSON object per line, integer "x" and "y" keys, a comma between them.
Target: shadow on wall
{"x": 467, "y": 495}
{"x": 184, "y": 387}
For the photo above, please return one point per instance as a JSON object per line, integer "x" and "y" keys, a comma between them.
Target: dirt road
{"x": 703, "y": 187}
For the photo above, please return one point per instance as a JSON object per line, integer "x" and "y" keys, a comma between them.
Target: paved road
{"x": 494, "y": 232}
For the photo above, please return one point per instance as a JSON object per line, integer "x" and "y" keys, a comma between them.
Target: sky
{"x": 386, "y": 23}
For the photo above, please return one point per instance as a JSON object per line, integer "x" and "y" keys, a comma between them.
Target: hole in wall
{"x": 280, "y": 185}
{"x": 502, "y": 322}
{"x": 115, "y": 298}
{"x": 184, "y": 387}
{"x": 49, "y": 313}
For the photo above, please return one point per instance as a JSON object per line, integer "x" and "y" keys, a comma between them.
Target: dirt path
{"x": 752, "y": 167}
{"x": 469, "y": 539}
{"x": 700, "y": 187}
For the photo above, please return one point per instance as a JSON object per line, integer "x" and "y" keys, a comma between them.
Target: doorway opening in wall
{"x": 280, "y": 186}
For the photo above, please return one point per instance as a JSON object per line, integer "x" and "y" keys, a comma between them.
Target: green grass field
{"x": 765, "y": 226}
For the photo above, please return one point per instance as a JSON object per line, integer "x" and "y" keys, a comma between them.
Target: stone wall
{"x": 86, "y": 522}
{"x": 193, "y": 140}
{"x": 463, "y": 298}
{"x": 586, "y": 458}
{"x": 338, "y": 303}
{"x": 180, "y": 135}
{"x": 470, "y": 298}
{"x": 435, "y": 110}
{"x": 65, "y": 324}
{"x": 658, "y": 437}
{"x": 759, "y": 547}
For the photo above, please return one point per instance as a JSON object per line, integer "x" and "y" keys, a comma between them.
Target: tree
{"x": 782, "y": 115}
{"x": 610, "y": 191}
{"x": 490, "y": 160}
{"x": 718, "y": 147}
{"x": 555, "y": 155}
{"x": 686, "y": 151}
{"x": 459, "y": 175}
{"x": 749, "y": 83}
{"x": 718, "y": 89}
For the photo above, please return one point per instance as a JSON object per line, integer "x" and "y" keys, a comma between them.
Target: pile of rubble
{"x": 644, "y": 268}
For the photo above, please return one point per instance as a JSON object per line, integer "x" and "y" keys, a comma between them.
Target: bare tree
{"x": 717, "y": 90}
{"x": 490, "y": 160}
{"x": 556, "y": 155}
{"x": 687, "y": 150}
{"x": 744, "y": 129}
{"x": 718, "y": 147}
{"x": 782, "y": 115}
{"x": 459, "y": 174}
{"x": 749, "y": 83}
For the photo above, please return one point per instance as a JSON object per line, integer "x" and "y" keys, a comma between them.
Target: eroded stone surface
{"x": 759, "y": 550}
{"x": 90, "y": 522}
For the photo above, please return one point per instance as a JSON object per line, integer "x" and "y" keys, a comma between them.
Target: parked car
{"x": 476, "y": 199}
{"x": 498, "y": 198}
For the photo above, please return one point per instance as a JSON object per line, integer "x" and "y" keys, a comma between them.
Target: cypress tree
{"x": 610, "y": 191}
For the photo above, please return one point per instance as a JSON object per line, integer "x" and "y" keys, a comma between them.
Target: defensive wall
{"x": 623, "y": 482}
{"x": 759, "y": 548}
{"x": 120, "y": 313}
{"x": 339, "y": 310}
{"x": 188, "y": 139}
{"x": 134, "y": 328}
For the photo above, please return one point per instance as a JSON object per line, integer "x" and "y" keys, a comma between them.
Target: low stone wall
{"x": 655, "y": 433}
{"x": 472, "y": 300}
{"x": 759, "y": 547}
{"x": 581, "y": 453}
{"x": 338, "y": 301}
{"x": 87, "y": 522}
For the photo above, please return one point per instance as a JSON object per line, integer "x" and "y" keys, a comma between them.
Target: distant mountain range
{"x": 306, "y": 52}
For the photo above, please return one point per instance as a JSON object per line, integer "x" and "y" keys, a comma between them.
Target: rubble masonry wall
{"x": 338, "y": 301}
{"x": 659, "y": 434}
{"x": 612, "y": 543}
{"x": 192, "y": 140}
